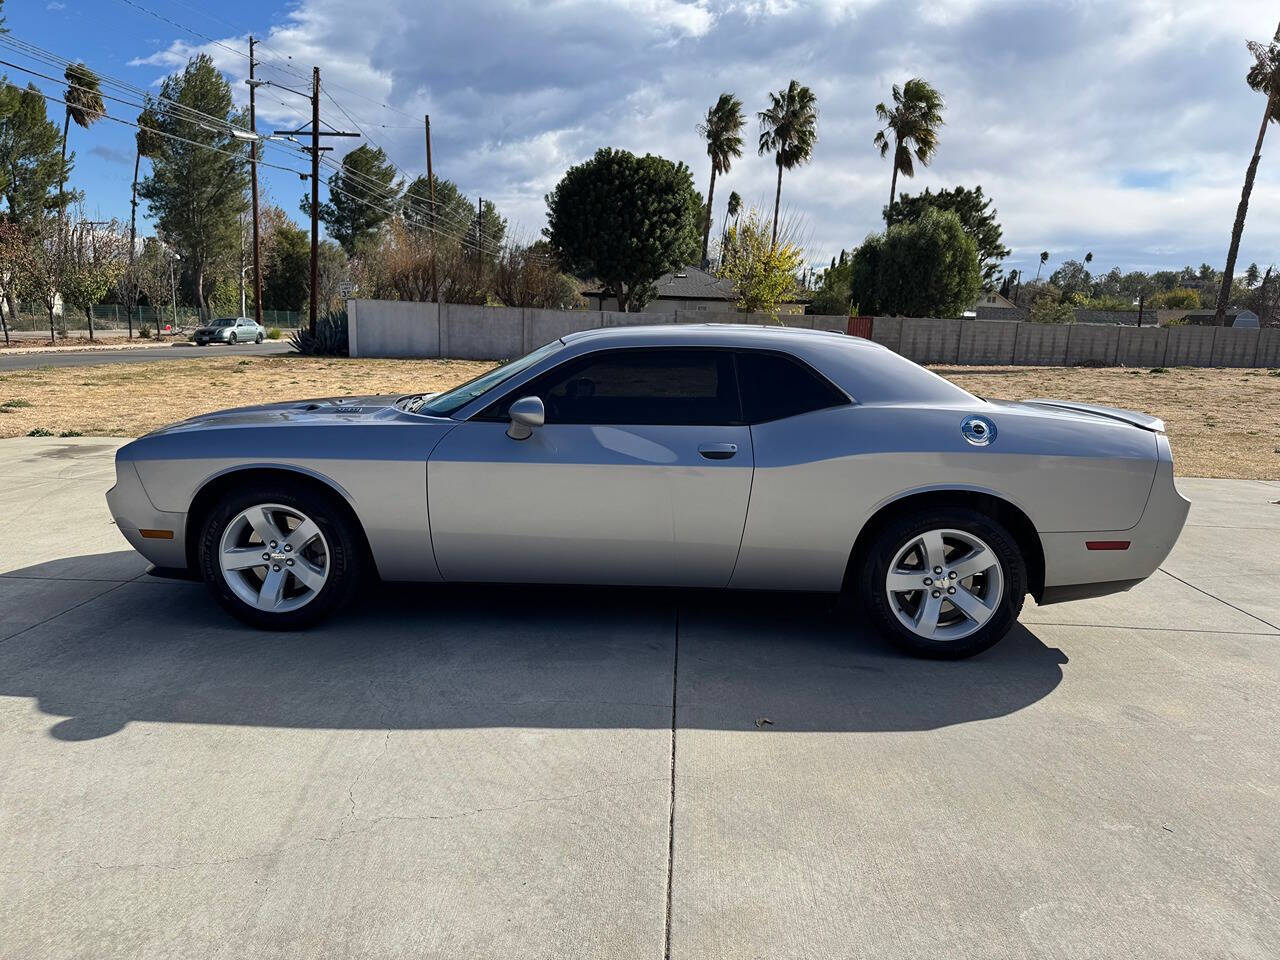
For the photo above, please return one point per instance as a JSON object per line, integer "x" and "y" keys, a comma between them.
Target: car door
{"x": 640, "y": 475}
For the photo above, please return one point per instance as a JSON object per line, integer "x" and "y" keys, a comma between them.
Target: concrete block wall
{"x": 930, "y": 341}
{"x": 1042, "y": 345}
{"x": 987, "y": 341}
{"x": 1191, "y": 346}
{"x": 1092, "y": 344}
{"x": 381, "y": 328}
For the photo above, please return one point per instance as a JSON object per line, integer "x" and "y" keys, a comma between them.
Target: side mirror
{"x": 526, "y": 413}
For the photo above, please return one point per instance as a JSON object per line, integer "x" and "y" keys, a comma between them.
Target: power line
{"x": 159, "y": 133}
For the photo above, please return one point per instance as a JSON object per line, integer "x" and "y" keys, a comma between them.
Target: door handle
{"x": 717, "y": 451}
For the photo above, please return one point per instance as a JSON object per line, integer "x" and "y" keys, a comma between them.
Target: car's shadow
{"x": 423, "y": 657}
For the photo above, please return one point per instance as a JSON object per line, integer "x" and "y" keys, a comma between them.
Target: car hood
{"x": 329, "y": 410}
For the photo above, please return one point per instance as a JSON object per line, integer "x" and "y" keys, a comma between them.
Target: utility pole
{"x": 315, "y": 133}
{"x": 431, "y": 214}
{"x": 253, "y": 166}
{"x": 479, "y": 238}
{"x": 315, "y": 198}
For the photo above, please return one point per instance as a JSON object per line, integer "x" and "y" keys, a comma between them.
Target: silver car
{"x": 229, "y": 330}
{"x": 692, "y": 456}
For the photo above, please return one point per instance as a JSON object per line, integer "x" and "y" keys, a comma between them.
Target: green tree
{"x": 788, "y": 130}
{"x": 1072, "y": 278}
{"x": 29, "y": 154}
{"x": 1251, "y": 276}
{"x": 1049, "y": 309}
{"x": 361, "y": 196}
{"x": 722, "y": 130}
{"x": 625, "y": 220}
{"x": 925, "y": 268}
{"x": 97, "y": 260}
{"x": 196, "y": 191}
{"x": 1179, "y": 298}
{"x": 834, "y": 293}
{"x": 1264, "y": 77}
{"x": 973, "y": 209}
{"x": 762, "y": 271}
{"x": 84, "y": 106}
{"x": 490, "y": 233}
{"x": 1044, "y": 258}
{"x": 911, "y": 125}
{"x": 454, "y": 213}
{"x": 286, "y": 262}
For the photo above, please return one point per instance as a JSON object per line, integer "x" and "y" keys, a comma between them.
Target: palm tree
{"x": 732, "y": 209}
{"x": 1044, "y": 258}
{"x": 1263, "y": 76}
{"x": 722, "y": 129}
{"x": 84, "y": 106}
{"x": 913, "y": 123}
{"x": 788, "y": 130}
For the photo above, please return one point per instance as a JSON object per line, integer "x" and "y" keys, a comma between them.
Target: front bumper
{"x": 134, "y": 512}
{"x": 1072, "y": 571}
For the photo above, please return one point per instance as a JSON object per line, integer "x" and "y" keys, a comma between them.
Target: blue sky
{"x": 1121, "y": 127}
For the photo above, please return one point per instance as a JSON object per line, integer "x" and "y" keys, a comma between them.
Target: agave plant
{"x": 329, "y": 340}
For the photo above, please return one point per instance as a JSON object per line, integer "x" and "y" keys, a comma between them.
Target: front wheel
{"x": 278, "y": 559}
{"x": 258, "y": 339}
{"x": 947, "y": 584}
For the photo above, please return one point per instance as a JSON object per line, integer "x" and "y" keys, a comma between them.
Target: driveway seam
{"x": 1252, "y": 616}
{"x": 75, "y": 606}
{"x": 1124, "y": 626}
{"x": 671, "y": 807}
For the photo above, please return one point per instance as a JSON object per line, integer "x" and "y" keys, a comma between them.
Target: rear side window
{"x": 774, "y": 387}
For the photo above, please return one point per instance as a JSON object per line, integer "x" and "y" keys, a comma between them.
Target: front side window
{"x": 457, "y": 398}
{"x": 775, "y": 386}
{"x": 637, "y": 387}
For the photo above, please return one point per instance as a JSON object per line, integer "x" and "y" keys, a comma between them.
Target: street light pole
{"x": 173, "y": 286}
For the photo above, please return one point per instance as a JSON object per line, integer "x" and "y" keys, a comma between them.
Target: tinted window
{"x": 638, "y": 387}
{"x": 774, "y": 386}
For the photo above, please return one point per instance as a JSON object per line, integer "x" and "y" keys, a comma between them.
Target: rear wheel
{"x": 231, "y": 340}
{"x": 948, "y": 584}
{"x": 279, "y": 559}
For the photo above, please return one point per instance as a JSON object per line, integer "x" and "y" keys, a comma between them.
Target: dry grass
{"x": 1222, "y": 423}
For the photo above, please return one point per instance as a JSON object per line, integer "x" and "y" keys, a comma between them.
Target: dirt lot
{"x": 1223, "y": 423}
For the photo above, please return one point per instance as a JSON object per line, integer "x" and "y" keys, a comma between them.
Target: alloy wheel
{"x": 274, "y": 558}
{"x": 944, "y": 584}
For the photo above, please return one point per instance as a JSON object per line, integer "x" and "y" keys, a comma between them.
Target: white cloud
{"x": 1120, "y": 127}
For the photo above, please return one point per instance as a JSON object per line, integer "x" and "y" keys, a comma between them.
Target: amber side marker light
{"x": 156, "y": 534}
{"x": 1106, "y": 544}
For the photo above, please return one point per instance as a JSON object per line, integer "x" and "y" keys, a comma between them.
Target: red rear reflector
{"x": 1106, "y": 544}
{"x": 157, "y": 534}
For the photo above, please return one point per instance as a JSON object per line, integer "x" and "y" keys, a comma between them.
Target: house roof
{"x": 687, "y": 283}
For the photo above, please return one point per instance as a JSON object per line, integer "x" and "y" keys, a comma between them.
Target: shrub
{"x": 1049, "y": 310}
{"x": 40, "y": 432}
{"x": 71, "y": 433}
{"x": 144, "y": 331}
{"x": 924, "y": 268}
{"x": 330, "y": 338}
{"x": 273, "y": 333}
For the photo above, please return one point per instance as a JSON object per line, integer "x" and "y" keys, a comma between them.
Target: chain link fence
{"x": 111, "y": 319}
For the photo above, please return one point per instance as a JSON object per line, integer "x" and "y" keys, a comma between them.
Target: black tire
{"x": 345, "y": 557}
{"x": 258, "y": 339}
{"x": 872, "y": 575}
{"x": 231, "y": 340}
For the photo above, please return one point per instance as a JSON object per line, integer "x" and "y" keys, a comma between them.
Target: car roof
{"x": 712, "y": 334}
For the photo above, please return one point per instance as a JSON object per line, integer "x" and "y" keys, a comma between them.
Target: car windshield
{"x": 457, "y": 398}
{"x": 225, "y": 322}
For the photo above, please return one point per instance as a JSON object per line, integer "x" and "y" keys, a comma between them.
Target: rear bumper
{"x": 1072, "y": 571}
{"x": 134, "y": 512}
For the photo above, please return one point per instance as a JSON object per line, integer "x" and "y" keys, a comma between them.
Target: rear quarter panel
{"x": 821, "y": 476}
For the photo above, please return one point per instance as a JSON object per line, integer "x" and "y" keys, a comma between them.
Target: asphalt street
{"x": 519, "y": 772}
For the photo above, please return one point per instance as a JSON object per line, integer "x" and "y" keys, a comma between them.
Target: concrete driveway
{"x": 510, "y": 773}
